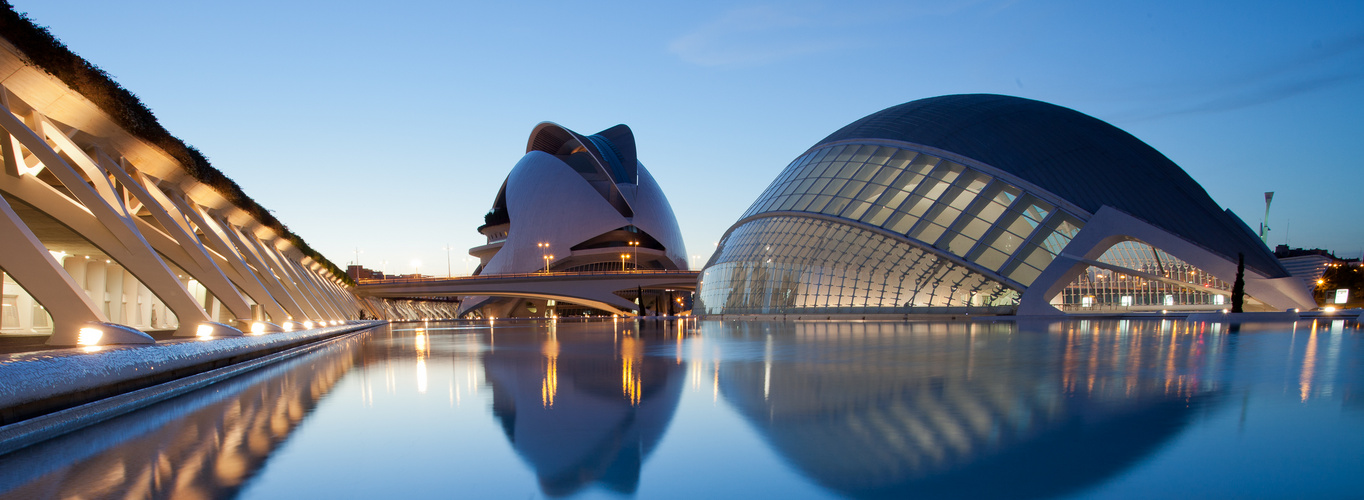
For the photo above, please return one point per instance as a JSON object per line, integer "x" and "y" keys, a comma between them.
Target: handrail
{"x": 395, "y": 281}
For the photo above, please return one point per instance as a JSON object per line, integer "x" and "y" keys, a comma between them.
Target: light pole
{"x": 622, "y": 261}
{"x": 448, "y": 274}
{"x": 547, "y": 259}
{"x": 416, "y": 268}
{"x": 544, "y": 248}
{"x": 634, "y": 249}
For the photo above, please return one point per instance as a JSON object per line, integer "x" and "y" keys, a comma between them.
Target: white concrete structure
{"x": 578, "y": 203}
{"x": 99, "y": 228}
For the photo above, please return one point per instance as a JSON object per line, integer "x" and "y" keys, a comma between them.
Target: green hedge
{"x": 127, "y": 111}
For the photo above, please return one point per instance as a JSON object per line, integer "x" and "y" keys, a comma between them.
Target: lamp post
{"x": 622, "y": 261}
{"x": 544, "y": 249}
{"x": 547, "y": 259}
{"x": 416, "y": 268}
{"x": 448, "y": 274}
{"x": 634, "y": 249}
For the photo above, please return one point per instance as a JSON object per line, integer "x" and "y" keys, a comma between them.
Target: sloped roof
{"x": 1073, "y": 155}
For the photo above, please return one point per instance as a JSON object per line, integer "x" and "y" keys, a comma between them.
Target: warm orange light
{"x": 89, "y": 336}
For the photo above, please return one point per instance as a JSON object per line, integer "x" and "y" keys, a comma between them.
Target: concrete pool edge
{"x": 248, "y": 357}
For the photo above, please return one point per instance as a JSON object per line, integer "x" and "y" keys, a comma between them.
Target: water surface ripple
{"x": 721, "y": 409}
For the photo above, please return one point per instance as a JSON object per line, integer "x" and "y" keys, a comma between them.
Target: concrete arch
{"x": 96, "y": 220}
{"x": 1111, "y": 226}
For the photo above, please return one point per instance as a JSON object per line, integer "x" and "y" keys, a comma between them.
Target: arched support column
{"x": 25, "y": 259}
{"x": 198, "y": 263}
{"x": 264, "y": 272}
{"x": 233, "y": 265}
{"x": 108, "y": 227}
{"x": 271, "y": 263}
{"x": 1111, "y": 226}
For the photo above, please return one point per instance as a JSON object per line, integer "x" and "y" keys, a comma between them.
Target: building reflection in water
{"x": 582, "y": 404}
{"x": 895, "y": 410}
{"x": 205, "y": 444}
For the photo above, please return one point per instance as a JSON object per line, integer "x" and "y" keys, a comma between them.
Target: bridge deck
{"x": 592, "y": 289}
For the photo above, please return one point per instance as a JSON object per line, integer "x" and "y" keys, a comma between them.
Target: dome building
{"x": 575, "y": 203}
{"x": 986, "y": 204}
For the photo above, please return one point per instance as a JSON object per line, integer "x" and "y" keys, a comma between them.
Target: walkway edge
{"x": 38, "y": 429}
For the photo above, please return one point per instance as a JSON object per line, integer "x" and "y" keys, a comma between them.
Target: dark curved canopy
{"x": 1073, "y": 155}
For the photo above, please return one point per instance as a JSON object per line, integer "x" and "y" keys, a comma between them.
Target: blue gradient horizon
{"x": 390, "y": 130}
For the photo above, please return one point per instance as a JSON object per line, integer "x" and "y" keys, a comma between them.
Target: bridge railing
{"x": 540, "y": 274}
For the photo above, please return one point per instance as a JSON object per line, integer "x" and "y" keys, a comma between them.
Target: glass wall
{"x": 791, "y": 264}
{"x": 943, "y": 204}
{"x": 1157, "y": 280}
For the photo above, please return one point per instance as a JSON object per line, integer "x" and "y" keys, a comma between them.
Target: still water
{"x": 709, "y": 409}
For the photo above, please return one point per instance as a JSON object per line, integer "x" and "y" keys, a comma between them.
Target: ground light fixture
{"x": 264, "y": 327}
{"x": 95, "y": 334}
{"x": 214, "y": 329}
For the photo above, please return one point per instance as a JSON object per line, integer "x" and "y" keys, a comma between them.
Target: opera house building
{"x": 576, "y": 203}
{"x": 986, "y": 204}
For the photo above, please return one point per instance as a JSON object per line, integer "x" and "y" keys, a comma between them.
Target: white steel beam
{"x": 200, "y": 266}
{"x": 125, "y": 243}
{"x": 238, "y": 269}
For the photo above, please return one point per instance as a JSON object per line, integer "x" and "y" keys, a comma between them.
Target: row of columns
{"x": 402, "y": 309}
{"x": 226, "y": 277}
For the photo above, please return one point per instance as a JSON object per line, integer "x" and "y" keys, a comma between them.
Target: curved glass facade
{"x": 989, "y": 190}
{"x": 941, "y": 203}
{"x": 1138, "y": 276}
{"x": 787, "y": 264}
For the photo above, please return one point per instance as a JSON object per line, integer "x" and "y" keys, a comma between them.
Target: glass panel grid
{"x": 794, "y": 264}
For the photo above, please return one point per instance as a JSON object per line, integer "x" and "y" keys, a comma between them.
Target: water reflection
{"x": 205, "y": 444}
{"x": 582, "y": 404}
{"x": 1083, "y": 408}
{"x": 881, "y": 410}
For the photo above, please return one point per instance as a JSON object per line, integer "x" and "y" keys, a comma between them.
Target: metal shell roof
{"x": 1073, "y": 155}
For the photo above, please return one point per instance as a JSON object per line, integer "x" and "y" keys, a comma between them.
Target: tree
{"x": 1238, "y": 289}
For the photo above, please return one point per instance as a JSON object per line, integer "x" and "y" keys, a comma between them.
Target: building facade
{"x": 111, "y": 228}
{"x": 985, "y": 204}
{"x": 576, "y": 203}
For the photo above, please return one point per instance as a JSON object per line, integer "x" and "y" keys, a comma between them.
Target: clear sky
{"x": 389, "y": 126}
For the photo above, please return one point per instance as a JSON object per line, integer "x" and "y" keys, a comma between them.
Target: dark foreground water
{"x": 655, "y": 409}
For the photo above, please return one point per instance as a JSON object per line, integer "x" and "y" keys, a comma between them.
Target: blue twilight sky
{"x": 389, "y": 126}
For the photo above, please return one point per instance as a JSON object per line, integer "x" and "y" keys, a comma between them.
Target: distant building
{"x": 359, "y": 273}
{"x": 576, "y": 203}
{"x": 986, "y": 204}
{"x": 1322, "y": 273}
{"x": 1309, "y": 265}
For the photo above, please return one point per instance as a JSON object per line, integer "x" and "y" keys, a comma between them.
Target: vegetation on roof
{"x": 126, "y": 110}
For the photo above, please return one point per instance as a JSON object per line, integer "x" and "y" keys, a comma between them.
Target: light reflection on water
{"x": 668, "y": 409}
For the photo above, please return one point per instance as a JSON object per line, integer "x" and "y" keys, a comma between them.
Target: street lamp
{"x": 622, "y": 261}
{"x": 544, "y": 249}
{"x": 416, "y": 267}
{"x": 547, "y": 259}
{"x": 634, "y": 249}
{"x": 448, "y": 274}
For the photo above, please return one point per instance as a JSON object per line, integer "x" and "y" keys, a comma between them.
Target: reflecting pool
{"x": 711, "y": 409}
